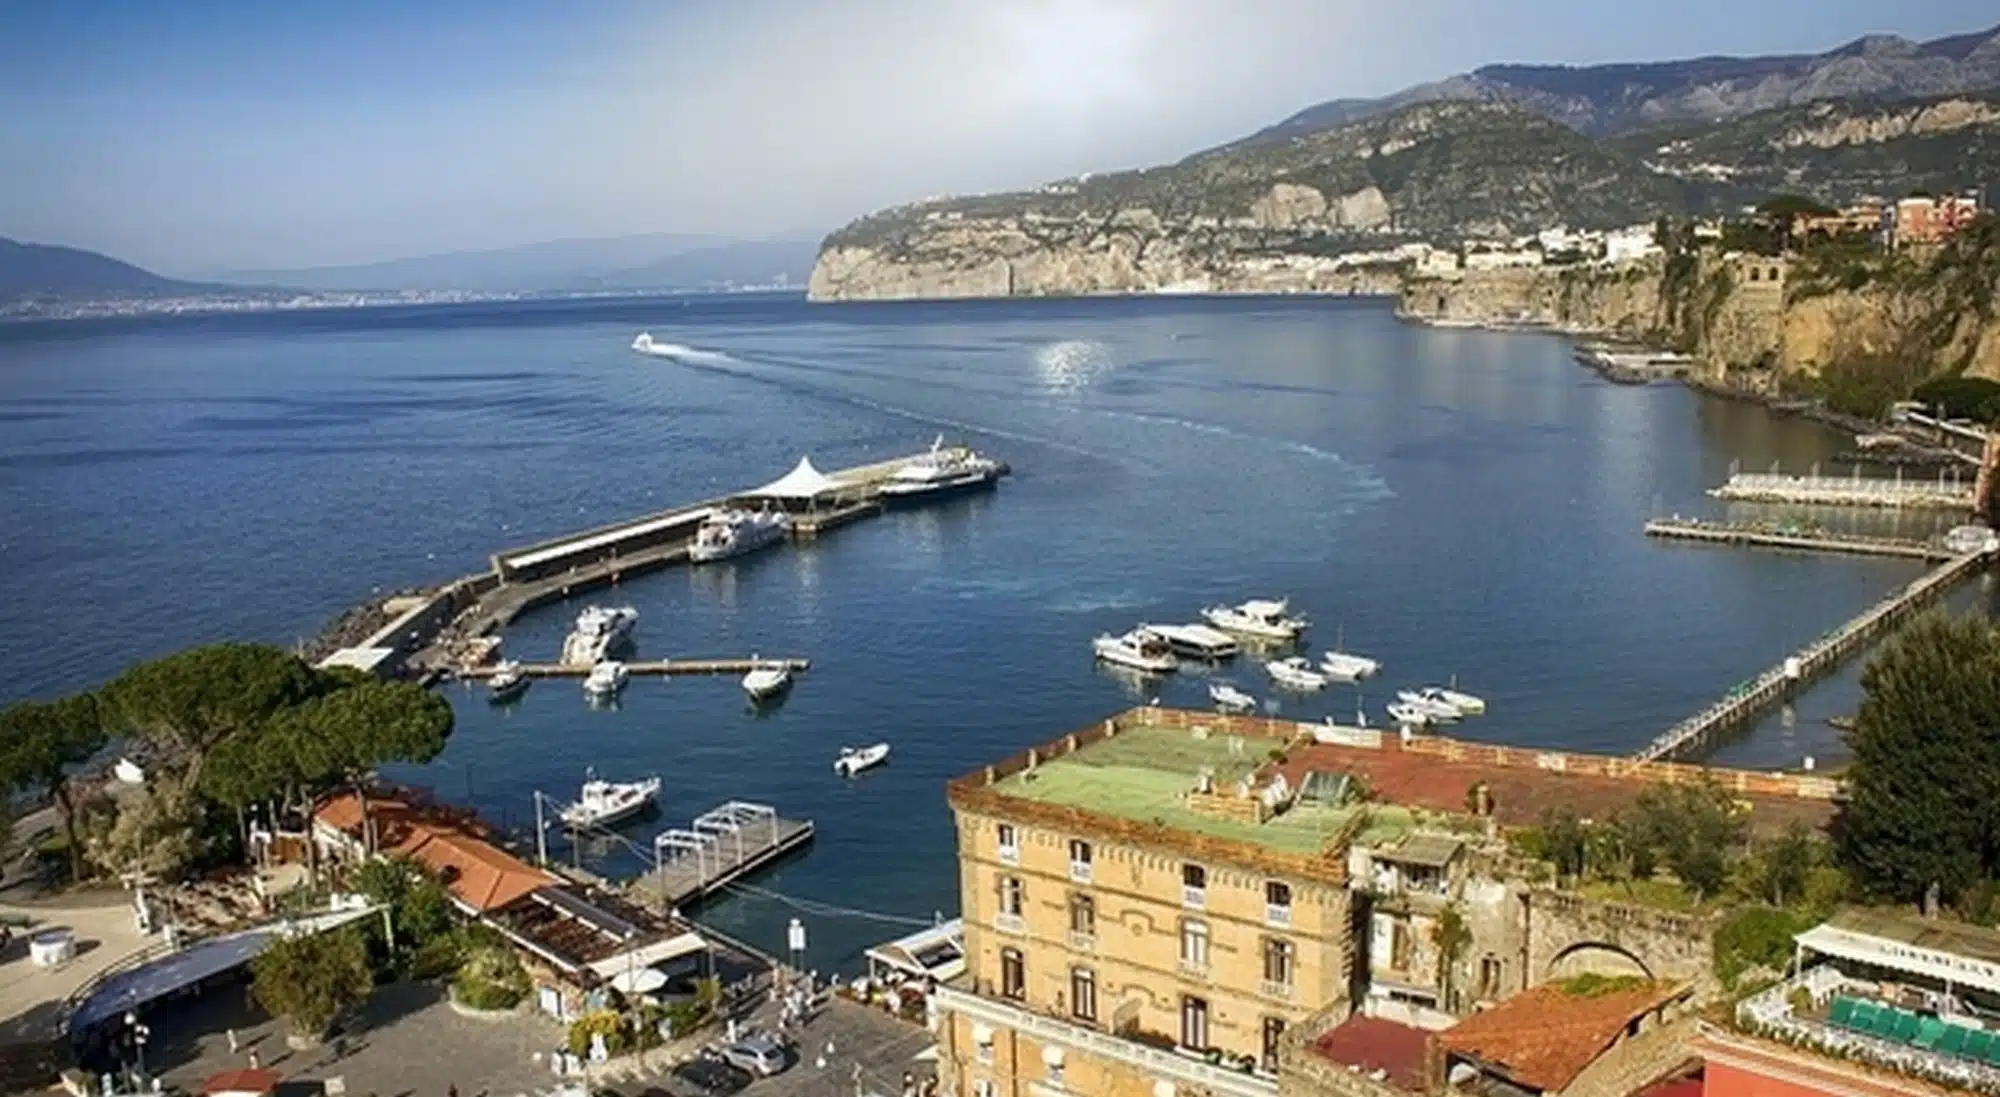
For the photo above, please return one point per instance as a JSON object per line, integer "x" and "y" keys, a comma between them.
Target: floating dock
{"x": 717, "y": 849}
{"x": 1771, "y": 535}
{"x": 1942, "y": 493}
{"x": 647, "y": 666}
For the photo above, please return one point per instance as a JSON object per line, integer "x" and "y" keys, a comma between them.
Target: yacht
{"x": 1295, "y": 673}
{"x": 1265, "y": 618}
{"x": 603, "y": 803}
{"x": 735, "y": 532}
{"x": 853, "y": 760}
{"x": 599, "y": 631}
{"x": 1137, "y": 649}
{"x": 767, "y": 681}
{"x": 1230, "y": 699}
{"x": 1341, "y": 666}
{"x": 1465, "y": 703}
{"x": 945, "y": 470}
{"x": 606, "y": 678}
{"x": 506, "y": 683}
{"x": 1430, "y": 700}
{"x": 1200, "y": 641}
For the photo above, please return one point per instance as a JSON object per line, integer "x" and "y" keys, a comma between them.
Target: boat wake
{"x": 680, "y": 352}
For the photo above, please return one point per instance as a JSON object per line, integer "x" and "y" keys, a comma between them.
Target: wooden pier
{"x": 647, "y": 666}
{"x": 1941, "y": 493}
{"x": 717, "y": 849}
{"x": 1746, "y": 701}
{"x": 1773, "y": 535}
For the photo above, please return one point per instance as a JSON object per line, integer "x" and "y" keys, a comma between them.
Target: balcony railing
{"x": 1271, "y": 988}
{"x": 1011, "y": 854}
{"x": 1010, "y": 923}
{"x": 1079, "y": 871}
{"x": 1770, "y": 1014}
{"x": 1163, "y": 1065}
{"x": 1080, "y": 941}
{"x": 1194, "y": 897}
{"x": 1194, "y": 969}
{"x": 1278, "y": 914}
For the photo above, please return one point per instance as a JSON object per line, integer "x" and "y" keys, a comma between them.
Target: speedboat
{"x": 1463, "y": 702}
{"x": 767, "y": 681}
{"x": 1430, "y": 701}
{"x": 1448, "y": 702}
{"x": 1264, "y": 618}
{"x": 606, "y": 678}
{"x": 1295, "y": 673}
{"x": 1344, "y": 667}
{"x": 734, "y": 532}
{"x": 599, "y": 631}
{"x": 603, "y": 803}
{"x": 506, "y": 683}
{"x": 1230, "y": 699}
{"x": 945, "y": 470}
{"x": 1138, "y": 649}
{"x": 853, "y": 760}
{"x": 1200, "y": 641}
{"x": 1412, "y": 716}
{"x": 644, "y": 345}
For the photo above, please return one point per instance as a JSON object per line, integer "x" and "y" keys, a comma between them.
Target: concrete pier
{"x": 1942, "y": 493}
{"x": 656, "y": 667}
{"x": 1774, "y": 535}
{"x": 718, "y": 848}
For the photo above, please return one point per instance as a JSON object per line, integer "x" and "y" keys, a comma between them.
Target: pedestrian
{"x": 233, "y": 1049}
{"x": 254, "y": 1064}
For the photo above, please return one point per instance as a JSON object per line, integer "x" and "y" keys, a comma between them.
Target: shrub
{"x": 1756, "y": 938}
{"x": 617, "y": 1038}
{"x": 312, "y": 979}
{"x": 491, "y": 977}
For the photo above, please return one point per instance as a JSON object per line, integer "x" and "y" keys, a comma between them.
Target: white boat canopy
{"x": 804, "y": 482}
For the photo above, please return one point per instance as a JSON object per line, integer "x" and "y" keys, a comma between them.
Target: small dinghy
{"x": 767, "y": 681}
{"x": 1230, "y": 699}
{"x": 853, "y": 760}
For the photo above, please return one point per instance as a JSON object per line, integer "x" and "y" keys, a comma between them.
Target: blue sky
{"x": 198, "y": 137}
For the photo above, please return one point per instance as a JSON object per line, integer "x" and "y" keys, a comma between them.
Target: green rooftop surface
{"x": 1145, "y": 773}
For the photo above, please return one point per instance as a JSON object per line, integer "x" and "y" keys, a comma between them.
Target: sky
{"x": 204, "y": 136}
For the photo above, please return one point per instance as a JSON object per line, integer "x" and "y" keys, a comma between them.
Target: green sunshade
{"x": 1843, "y": 1012}
{"x": 1929, "y": 1031}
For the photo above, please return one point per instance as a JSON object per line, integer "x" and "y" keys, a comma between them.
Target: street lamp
{"x": 138, "y": 1033}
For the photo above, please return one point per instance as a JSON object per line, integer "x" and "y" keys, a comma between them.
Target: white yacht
{"x": 603, "y": 803}
{"x": 606, "y": 678}
{"x": 599, "y": 631}
{"x": 1295, "y": 673}
{"x": 945, "y": 470}
{"x": 506, "y": 683}
{"x": 1200, "y": 641}
{"x": 767, "y": 681}
{"x": 1412, "y": 716}
{"x": 1137, "y": 649}
{"x": 1341, "y": 666}
{"x": 1230, "y": 699}
{"x": 1465, "y": 703}
{"x": 853, "y": 760}
{"x": 1265, "y": 618}
{"x": 1430, "y": 699}
{"x": 735, "y": 532}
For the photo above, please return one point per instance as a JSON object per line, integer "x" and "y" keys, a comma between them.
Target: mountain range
{"x": 43, "y": 270}
{"x": 664, "y": 261}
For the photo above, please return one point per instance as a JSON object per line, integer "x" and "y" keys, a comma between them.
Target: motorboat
{"x": 599, "y": 631}
{"x": 603, "y": 803}
{"x": 1230, "y": 699}
{"x": 606, "y": 678}
{"x": 767, "y": 680}
{"x": 1411, "y": 715}
{"x": 1430, "y": 701}
{"x": 944, "y": 471}
{"x": 1460, "y": 700}
{"x": 1137, "y": 649}
{"x": 1200, "y": 641}
{"x": 506, "y": 683}
{"x": 1449, "y": 702}
{"x": 1295, "y": 673}
{"x": 1264, "y": 618}
{"x": 644, "y": 345}
{"x": 853, "y": 760}
{"x": 1345, "y": 665}
{"x": 733, "y": 532}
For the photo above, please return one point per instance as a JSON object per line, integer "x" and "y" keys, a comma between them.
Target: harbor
{"x": 1944, "y": 493}
{"x": 716, "y": 849}
{"x": 643, "y": 668}
{"x": 1785, "y": 535}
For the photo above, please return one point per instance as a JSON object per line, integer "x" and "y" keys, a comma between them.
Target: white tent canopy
{"x": 804, "y": 482}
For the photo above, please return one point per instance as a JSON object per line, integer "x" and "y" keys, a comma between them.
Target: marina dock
{"x": 718, "y": 848}
{"x": 1774, "y": 535}
{"x": 1943, "y": 493}
{"x": 1747, "y": 700}
{"x": 657, "y": 667}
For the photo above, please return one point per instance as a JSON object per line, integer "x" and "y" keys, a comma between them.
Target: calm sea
{"x": 1454, "y": 503}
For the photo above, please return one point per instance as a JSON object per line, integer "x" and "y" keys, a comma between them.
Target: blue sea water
{"x": 1452, "y": 502}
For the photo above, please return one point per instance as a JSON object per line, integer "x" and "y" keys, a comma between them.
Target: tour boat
{"x": 606, "y": 678}
{"x": 767, "y": 681}
{"x": 853, "y": 760}
{"x": 1137, "y": 649}
{"x": 735, "y": 532}
{"x": 945, "y": 470}
{"x": 1448, "y": 701}
{"x": 1230, "y": 699}
{"x": 1295, "y": 673}
{"x": 1412, "y": 716}
{"x": 506, "y": 684}
{"x": 1265, "y": 618}
{"x": 599, "y": 631}
{"x": 603, "y": 803}
{"x": 1200, "y": 641}
{"x": 1430, "y": 700}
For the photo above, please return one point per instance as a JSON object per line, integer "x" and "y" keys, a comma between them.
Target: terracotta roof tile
{"x": 1544, "y": 1036}
{"x": 482, "y": 875}
{"x": 1374, "y": 1044}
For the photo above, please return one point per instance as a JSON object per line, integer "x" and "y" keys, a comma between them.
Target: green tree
{"x": 1785, "y": 863}
{"x": 153, "y": 833}
{"x": 1695, "y": 829}
{"x": 312, "y": 979}
{"x": 1564, "y": 842}
{"x": 40, "y": 742}
{"x": 351, "y": 731}
{"x": 1450, "y": 935}
{"x": 419, "y": 906}
{"x": 192, "y": 700}
{"x": 1922, "y": 817}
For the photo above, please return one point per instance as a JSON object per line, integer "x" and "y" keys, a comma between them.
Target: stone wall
{"x": 1568, "y": 935}
{"x": 1638, "y": 1061}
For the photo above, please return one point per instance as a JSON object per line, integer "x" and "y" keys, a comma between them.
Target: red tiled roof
{"x": 482, "y": 875}
{"x": 1374, "y": 1044}
{"x": 1544, "y": 1036}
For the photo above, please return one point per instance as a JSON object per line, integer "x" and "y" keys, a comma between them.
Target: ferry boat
{"x": 1459, "y": 704}
{"x": 506, "y": 684}
{"x": 603, "y": 803}
{"x": 606, "y": 678}
{"x": 1137, "y": 649}
{"x": 1295, "y": 673}
{"x": 1230, "y": 699}
{"x": 735, "y": 532}
{"x": 1265, "y": 618}
{"x": 766, "y": 682}
{"x": 599, "y": 631}
{"x": 944, "y": 471}
{"x": 1200, "y": 641}
{"x": 853, "y": 760}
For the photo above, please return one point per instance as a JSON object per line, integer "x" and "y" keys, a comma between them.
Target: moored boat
{"x": 1295, "y": 673}
{"x": 603, "y": 803}
{"x": 1411, "y": 715}
{"x": 853, "y": 760}
{"x": 1199, "y": 641}
{"x": 1347, "y": 667}
{"x": 1230, "y": 699}
{"x": 606, "y": 678}
{"x": 1137, "y": 649}
{"x": 506, "y": 683}
{"x": 1430, "y": 702}
{"x": 734, "y": 532}
{"x": 1264, "y": 618}
{"x": 599, "y": 631}
{"x": 767, "y": 681}
{"x": 944, "y": 471}
{"x": 1448, "y": 702}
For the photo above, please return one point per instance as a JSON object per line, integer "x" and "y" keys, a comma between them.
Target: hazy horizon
{"x": 234, "y": 136}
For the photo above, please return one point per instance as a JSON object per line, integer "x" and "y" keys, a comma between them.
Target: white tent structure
{"x": 803, "y": 484}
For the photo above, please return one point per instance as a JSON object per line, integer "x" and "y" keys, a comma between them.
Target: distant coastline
{"x": 60, "y": 310}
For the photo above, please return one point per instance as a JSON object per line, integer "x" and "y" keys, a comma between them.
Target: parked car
{"x": 706, "y": 1077}
{"x": 760, "y": 1053}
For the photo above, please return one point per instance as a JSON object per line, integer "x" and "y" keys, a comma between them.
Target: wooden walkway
{"x": 1769, "y": 535}
{"x": 648, "y": 666}
{"x": 720, "y": 848}
{"x": 1752, "y": 697}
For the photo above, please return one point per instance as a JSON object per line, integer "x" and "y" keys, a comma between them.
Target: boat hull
{"x": 908, "y": 495}
{"x": 847, "y": 765}
{"x": 743, "y": 545}
{"x": 501, "y": 694}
